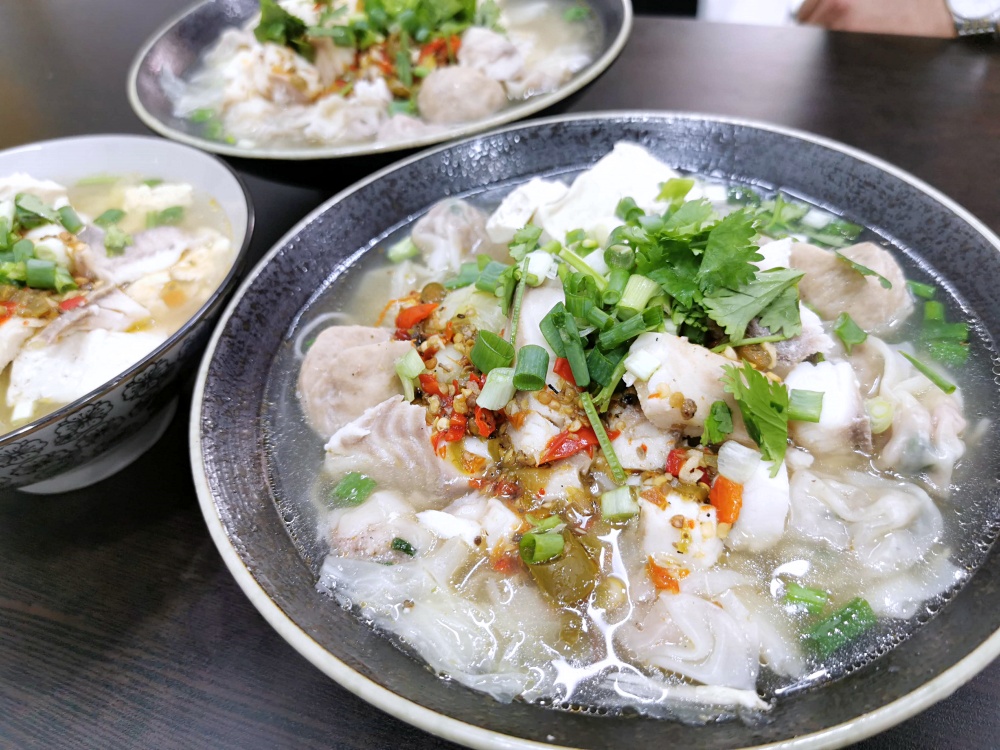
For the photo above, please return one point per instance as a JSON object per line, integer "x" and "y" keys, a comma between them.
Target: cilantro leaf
{"x": 782, "y": 316}
{"x": 864, "y": 270}
{"x": 688, "y": 220}
{"x": 281, "y": 27}
{"x": 674, "y": 190}
{"x": 730, "y": 253}
{"x": 676, "y": 271}
{"x": 849, "y": 332}
{"x": 718, "y": 424}
{"x": 734, "y": 309}
{"x": 764, "y": 407}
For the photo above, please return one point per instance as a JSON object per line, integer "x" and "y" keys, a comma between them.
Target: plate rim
{"x": 481, "y": 738}
{"x": 530, "y": 106}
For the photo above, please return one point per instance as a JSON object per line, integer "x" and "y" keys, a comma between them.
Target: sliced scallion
{"x": 602, "y": 365}
{"x": 550, "y": 330}
{"x": 498, "y": 389}
{"x": 620, "y": 333}
{"x": 880, "y": 413}
{"x": 490, "y": 275}
{"x": 848, "y": 331}
{"x": 539, "y": 548}
{"x": 409, "y": 366}
{"x": 617, "y": 472}
{"x": 70, "y": 220}
{"x": 545, "y": 524}
{"x": 532, "y": 367}
{"x": 109, "y": 217}
{"x": 926, "y": 291}
{"x": 573, "y": 347}
{"x": 167, "y": 217}
{"x": 617, "y": 280}
{"x": 467, "y": 274}
{"x": 813, "y": 600}
{"x": 40, "y": 274}
{"x": 23, "y": 250}
{"x": 638, "y": 292}
{"x": 353, "y": 489}
{"x": 515, "y": 317}
{"x": 490, "y": 351}
{"x": 942, "y": 383}
{"x": 804, "y": 406}
{"x": 619, "y": 504}
{"x": 933, "y": 310}
{"x": 840, "y": 628}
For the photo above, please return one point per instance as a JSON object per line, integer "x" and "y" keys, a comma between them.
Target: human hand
{"x": 910, "y": 17}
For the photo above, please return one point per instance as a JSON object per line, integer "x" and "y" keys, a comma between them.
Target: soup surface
{"x": 340, "y": 72}
{"x": 637, "y": 442}
{"x": 95, "y": 276}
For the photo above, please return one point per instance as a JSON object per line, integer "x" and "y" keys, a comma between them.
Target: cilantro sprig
{"x": 764, "y": 407}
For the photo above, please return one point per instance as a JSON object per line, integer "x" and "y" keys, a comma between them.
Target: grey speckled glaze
{"x": 176, "y": 49}
{"x": 247, "y": 498}
{"x": 106, "y": 417}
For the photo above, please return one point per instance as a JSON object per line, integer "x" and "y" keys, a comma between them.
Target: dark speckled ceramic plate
{"x": 177, "y": 47}
{"x": 264, "y": 530}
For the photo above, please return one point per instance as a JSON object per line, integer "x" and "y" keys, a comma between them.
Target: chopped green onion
{"x": 620, "y": 256}
{"x": 804, "y": 406}
{"x": 353, "y": 489}
{"x": 539, "y": 548}
{"x": 619, "y": 504}
{"x": 848, "y": 331}
{"x": 152, "y": 182}
{"x": 109, "y": 217}
{"x": 539, "y": 265}
{"x": 576, "y": 14}
{"x": 617, "y": 281}
{"x": 401, "y": 545}
{"x": 675, "y": 190}
{"x": 532, "y": 366}
{"x": 602, "y": 366}
{"x": 938, "y": 330}
{"x": 880, "y": 413}
{"x": 945, "y": 385}
{"x": 952, "y": 353}
{"x": 490, "y": 351}
{"x": 921, "y": 290}
{"x": 550, "y": 331}
{"x": 64, "y": 281}
{"x": 202, "y": 115}
{"x": 618, "y": 334}
{"x": 843, "y": 626}
{"x": 581, "y": 265}
{"x": 638, "y": 292}
{"x": 405, "y": 249}
{"x": 167, "y": 217}
{"x": 407, "y": 368}
{"x": 813, "y": 600}
{"x": 718, "y": 424}
{"x": 23, "y": 250}
{"x": 599, "y": 319}
{"x": 515, "y": 317}
{"x": 467, "y": 274}
{"x": 546, "y": 524}
{"x": 573, "y": 346}
{"x": 933, "y": 310}
{"x": 617, "y": 472}
{"x": 490, "y": 276}
{"x": 498, "y": 389}
{"x": 70, "y": 220}
{"x": 40, "y": 274}
{"x": 603, "y": 397}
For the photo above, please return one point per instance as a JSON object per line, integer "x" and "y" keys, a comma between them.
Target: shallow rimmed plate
{"x": 180, "y": 42}
{"x": 267, "y": 539}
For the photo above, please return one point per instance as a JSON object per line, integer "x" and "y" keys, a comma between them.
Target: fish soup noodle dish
{"x": 638, "y": 442}
{"x": 93, "y": 277}
{"x": 339, "y": 72}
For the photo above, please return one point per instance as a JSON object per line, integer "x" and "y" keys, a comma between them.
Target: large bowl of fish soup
{"x": 141, "y": 240}
{"x": 335, "y": 78}
{"x": 935, "y": 624}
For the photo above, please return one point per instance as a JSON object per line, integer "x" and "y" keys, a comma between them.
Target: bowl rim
{"x": 220, "y": 291}
{"x": 530, "y": 106}
{"x": 481, "y": 738}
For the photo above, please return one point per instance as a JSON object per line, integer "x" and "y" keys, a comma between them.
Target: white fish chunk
{"x": 392, "y": 443}
{"x": 764, "y": 514}
{"x": 628, "y": 171}
{"x": 843, "y": 423}
{"x": 152, "y": 250}
{"x": 72, "y": 367}
{"x": 143, "y": 199}
{"x": 13, "y": 333}
{"x": 684, "y": 533}
{"x": 369, "y": 529}
{"x": 641, "y": 446}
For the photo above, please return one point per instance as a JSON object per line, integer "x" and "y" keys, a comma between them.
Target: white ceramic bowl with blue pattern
{"x": 112, "y": 425}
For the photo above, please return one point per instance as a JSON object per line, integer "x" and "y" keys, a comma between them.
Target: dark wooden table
{"x": 119, "y": 624}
